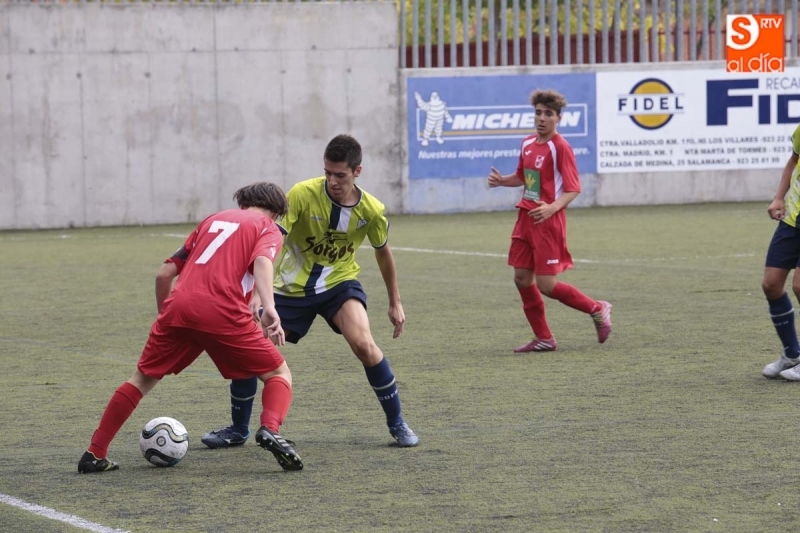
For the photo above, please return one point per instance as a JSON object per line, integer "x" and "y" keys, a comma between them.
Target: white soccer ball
{"x": 164, "y": 441}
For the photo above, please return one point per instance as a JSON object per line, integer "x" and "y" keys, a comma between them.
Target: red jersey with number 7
{"x": 216, "y": 280}
{"x": 546, "y": 170}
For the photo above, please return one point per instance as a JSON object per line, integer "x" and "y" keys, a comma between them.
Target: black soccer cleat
{"x": 224, "y": 438}
{"x": 280, "y": 448}
{"x": 89, "y": 464}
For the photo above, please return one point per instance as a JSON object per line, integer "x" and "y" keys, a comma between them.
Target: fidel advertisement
{"x": 678, "y": 120}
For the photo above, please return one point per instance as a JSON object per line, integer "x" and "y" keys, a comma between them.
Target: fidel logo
{"x": 651, "y": 104}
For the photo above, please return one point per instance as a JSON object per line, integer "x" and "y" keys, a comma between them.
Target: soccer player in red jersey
{"x": 538, "y": 253}
{"x": 228, "y": 256}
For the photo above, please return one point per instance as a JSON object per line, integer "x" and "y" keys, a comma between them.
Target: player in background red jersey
{"x": 538, "y": 253}
{"x": 228, "y": 256}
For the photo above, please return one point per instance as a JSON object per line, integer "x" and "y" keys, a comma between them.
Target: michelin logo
{"x": 469, "y": 123}
{"x": 435, "y": 114}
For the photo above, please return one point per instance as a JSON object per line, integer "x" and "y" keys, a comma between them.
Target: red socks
{"x": 571, "y": 296}
{"x": 118, "y": 410}
{"x": 275, "y": 401}
{"x": 533, "y": 306}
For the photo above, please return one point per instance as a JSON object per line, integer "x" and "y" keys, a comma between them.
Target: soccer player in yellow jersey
{"x": 783, "y": 255}
{"x": 328, "y": 219}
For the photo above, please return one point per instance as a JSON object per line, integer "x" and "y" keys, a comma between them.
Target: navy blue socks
{"x": 382, "y": 380}
{"x": 782, "y": 314}
{"x": 242, "y": 393}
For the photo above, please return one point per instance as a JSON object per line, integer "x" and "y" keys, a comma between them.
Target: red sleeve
{"x": 269, "y": 243}
{"x": 568, "y": 167}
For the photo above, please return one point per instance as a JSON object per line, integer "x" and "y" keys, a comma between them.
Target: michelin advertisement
{"x": 616, "y": 122}
{"x": 462, "y": 126}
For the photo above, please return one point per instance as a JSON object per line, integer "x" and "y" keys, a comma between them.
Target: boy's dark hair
{"x": 550, "y": 99}
{"x": 344, "y": 148}
{"x": 264, "y": 195}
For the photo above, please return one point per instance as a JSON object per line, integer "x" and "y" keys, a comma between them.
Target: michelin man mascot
{"x": 435, "y": 114}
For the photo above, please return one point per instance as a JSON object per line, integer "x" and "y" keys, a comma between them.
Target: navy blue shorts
{"x": 784, "y": 249}
{"x": 298, "y": 313}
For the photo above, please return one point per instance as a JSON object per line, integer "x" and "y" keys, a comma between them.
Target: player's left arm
{"x": 777, "y": 208}
{"x": 263, "y": 272}
{"x": 568, "y": 168}
{"x": 385, "y": 259}
{"x": 265, "y": 253}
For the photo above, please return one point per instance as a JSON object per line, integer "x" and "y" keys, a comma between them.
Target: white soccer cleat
{"x": 791, "y": 374}
{"x": 777, "y": 368}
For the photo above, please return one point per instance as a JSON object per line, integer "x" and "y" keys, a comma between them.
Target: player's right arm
{"x": 777, "y": 208}
{"x": 166, "y": 273}
{"x": 499, "y": 180}
{"x": 263, "y": 272}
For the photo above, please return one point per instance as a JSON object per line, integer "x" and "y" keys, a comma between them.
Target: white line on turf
{"x": 634, "y": 260}
{"x": 52, "y": 514}
{"x": 447, "y": 252}
{"x": 612, "y": 261}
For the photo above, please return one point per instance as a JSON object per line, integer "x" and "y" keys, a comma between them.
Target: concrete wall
{"x": 469, "y": 193}
{"x": 156, "y": 113}
{"x": 143, "y": 114}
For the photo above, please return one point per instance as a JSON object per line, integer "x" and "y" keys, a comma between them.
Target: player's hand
{"x": 279, "y": 337}
{"x": 542, "y": 212}
{"x": 495, "y": 178}
{"x": 255, "y": 305}
{"x": 777, "y": 210}
{"x": 398, "y": 319}
{"x": 271, "y": 324}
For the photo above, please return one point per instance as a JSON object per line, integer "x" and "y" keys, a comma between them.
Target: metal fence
{"x": 480, "y": 33}
{"x": 456, "y": 33}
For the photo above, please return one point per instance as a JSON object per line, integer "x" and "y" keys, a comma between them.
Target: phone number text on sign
{"x": 693, "y": 153}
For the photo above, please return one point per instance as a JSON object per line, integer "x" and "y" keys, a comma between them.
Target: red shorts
{"x": 540, "y": 247}
{"x": 240, "y": 355}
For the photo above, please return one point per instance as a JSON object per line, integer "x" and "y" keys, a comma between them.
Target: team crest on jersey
{"x": 361, "y": 223}
{"x": 539, "y": 161}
